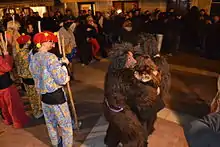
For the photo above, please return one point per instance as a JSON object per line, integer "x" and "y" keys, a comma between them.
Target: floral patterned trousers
{"x": 34, "y": 99}
{"x": 58, "y": 116}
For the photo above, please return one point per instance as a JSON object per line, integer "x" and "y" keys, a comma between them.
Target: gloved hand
{"x": 64, "y": 60}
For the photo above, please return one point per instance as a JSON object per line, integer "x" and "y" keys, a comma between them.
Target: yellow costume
{"x": 22, "y": 65}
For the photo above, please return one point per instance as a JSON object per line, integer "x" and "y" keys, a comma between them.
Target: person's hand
{"x": 67, "y": 79}
{"x": 65, "y": 60}
{"x": 158, "y": 90}
{"x": 5, "y": 52}
{"x": 88, "y": 29}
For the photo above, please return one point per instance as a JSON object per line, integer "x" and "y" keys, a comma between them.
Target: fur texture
{"x": 164, "y": 68}
{"x": 148, "y": 46}
{"x": 118, "y": 55}
{"x": 124, "y": 126}
{"x": 146, "y": 102}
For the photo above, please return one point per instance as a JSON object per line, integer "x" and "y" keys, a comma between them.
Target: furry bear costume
{"x": 148, "y": 46}
{"x": 124, "y": 126}
{"x": 149, "y": 62}
{"x": 146, "y": 88}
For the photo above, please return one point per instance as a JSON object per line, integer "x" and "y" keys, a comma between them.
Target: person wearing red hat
{"x": 24, "y": 73}
{"x": 50, "y": 76}
{"x": 10, "y": 101}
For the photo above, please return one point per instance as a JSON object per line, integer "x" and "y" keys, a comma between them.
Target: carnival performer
{"x": 66, "y": 31}
{"x": 10, "y": 101}
{"x": 12, "y": 36}
{"x": 21, "y": 61}
{"x": 13, "y": 47}
{"x": 148, "y": 46}
{"x": 50, "y": 76}
{"x": 124, "y": 125}
{"x": 145, "y": 92}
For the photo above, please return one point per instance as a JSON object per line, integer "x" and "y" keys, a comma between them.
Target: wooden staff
{"x": 13, "y": 20}
{"x": 6, "y": 40}
{"x": 159, "y": 41}
{"x": 69, "y": 90}
{"x": 59, "y": 44}
{"x": 3, "y": 44}
{"x": 39, "y": 27}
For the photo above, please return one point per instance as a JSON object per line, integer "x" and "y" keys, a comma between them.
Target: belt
{"x": 5, "y": 81}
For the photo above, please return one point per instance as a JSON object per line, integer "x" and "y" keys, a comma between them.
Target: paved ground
{"x": 191, "y": 88}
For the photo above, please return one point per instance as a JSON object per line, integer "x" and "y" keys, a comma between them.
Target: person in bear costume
{"x": 147, "y": 45}
{"x": 124, "y": 126}
{"x": 145, "y": 92}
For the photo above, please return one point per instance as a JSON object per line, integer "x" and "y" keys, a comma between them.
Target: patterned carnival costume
{"x": 49, "y": 76}
{"x": 12, "y": 35}
{"x": 10, "y": 101}
{"x": 13, "y": 46}
{"x": 25, "y": 74}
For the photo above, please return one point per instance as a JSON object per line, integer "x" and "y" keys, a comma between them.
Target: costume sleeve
{"x": 112, "y": 90}
{"x": 72, "y": 27}
{"x": 145, "y": 101}
{"x": 6, "y": 63}
{"x": 58, "y": 72}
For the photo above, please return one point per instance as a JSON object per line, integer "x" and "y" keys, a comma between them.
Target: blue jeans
{"x": 204, "y": 132}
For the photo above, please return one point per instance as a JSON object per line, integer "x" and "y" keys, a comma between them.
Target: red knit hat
{"x": 45, "y": 36}
{"x": 23, "y": 39}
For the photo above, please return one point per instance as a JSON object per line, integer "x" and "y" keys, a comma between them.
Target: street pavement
{"x": 193, "y": 87}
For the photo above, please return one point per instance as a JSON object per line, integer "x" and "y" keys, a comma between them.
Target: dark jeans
{"x": 204, "y": 132}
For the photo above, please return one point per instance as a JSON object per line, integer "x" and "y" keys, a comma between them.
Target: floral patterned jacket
{"x": 47, "y": 71}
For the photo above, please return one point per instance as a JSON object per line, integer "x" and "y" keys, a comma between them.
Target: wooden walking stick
{"x": 39, "y": 26}
{"x": 6, "y": 40}
{"x": 69, "y": 91}
{"x": 59, "y": 44}
{"x": 13, "y": 20}
{"x": 3, "y": 43}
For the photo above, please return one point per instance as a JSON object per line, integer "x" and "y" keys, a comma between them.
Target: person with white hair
{"x": 12, "y": 35}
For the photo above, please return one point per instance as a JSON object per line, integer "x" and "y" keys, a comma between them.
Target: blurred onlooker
{"x": 203, "y": 14}
{"x": 30, "y": 30}
{"x": 48, "y": 23}
{"x": 70, "y": 15}
{"x": 127, "y": 33}
{"x": 204, "y": 132}
{"x": 216, "y": 19}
